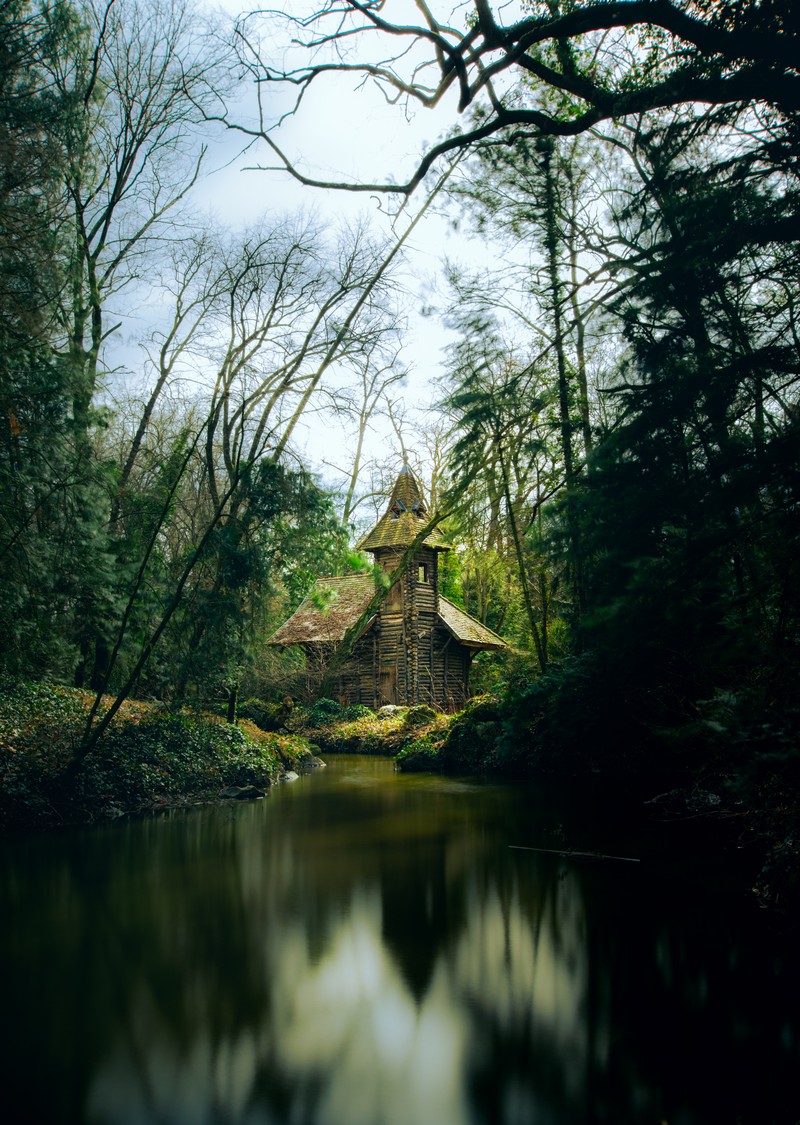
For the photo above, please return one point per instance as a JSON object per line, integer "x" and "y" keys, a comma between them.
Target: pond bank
{"x": 154, "y": 759}
{"x": 707, "y": 802}
{"x": 150, "y": 758}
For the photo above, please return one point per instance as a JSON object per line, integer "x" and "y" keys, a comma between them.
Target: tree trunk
{"x": 551, "y": 233}
{"x": 541, "y": 652}
{"x": 546, "y": 147}
{"x": 233, "y": 703}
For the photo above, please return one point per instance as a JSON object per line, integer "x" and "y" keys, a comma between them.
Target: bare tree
{"x": 264, "y": 318}
{"x": 363, "y": 404}
{"x": 144, "y": 75}
{"x": 191, "y": 282}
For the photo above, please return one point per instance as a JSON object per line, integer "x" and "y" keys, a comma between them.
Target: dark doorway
{"x": 387, "y": 685}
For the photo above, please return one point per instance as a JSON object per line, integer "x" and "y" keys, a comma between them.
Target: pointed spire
{"x": 406, "y": 495}
{"x": 403, "y": 519}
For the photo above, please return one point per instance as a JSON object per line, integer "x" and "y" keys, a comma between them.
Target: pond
{"x": 370, "y": 948}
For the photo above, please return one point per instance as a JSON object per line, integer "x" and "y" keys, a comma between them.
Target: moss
{"x": 423, "y": 755}
{"x": 419, "y": 716}
{"x": 421, "y": 738}
{"x": 386, "y": 732}
{"x": 148, "y": 758}
{"x": 475, "y": 741}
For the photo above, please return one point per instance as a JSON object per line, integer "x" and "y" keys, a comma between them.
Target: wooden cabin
{"x": 417, "y": 647}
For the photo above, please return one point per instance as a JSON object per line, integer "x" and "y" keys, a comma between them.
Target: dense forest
{"x": 613, "y": 446}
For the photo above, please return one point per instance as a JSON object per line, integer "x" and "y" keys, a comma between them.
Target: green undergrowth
{"x": 472, "y": 742}
{"x": 358, "y": 730}
{"x": 149, "y": 758}
{"x": 420, "y": 738}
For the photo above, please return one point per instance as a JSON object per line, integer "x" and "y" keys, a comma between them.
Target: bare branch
{"x": 706, "y": 61}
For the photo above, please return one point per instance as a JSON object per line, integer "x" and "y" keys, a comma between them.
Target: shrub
{"x": 324, "y": 711}
{"x": 146, "y": 758}
{"x": 563, "y": 721}
{"x": 358, "y": 711}
{"x": 166, "y": 756}
{"x": 267, "y": 716}
{"x": 419, "y": 716}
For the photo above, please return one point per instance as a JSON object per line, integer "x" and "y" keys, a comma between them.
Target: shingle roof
{"x": 403, "y": 520}
{"x": 327, "y": 611}
{"x": 466, "y": 629}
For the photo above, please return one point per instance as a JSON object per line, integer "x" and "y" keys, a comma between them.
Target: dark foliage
{"x": 149, "y": 758}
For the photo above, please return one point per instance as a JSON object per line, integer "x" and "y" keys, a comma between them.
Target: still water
{"x": 366, "y": 948}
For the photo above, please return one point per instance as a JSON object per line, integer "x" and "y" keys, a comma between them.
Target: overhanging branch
{"x": 719, "y": 65}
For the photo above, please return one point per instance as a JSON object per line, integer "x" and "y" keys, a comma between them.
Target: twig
{"x": 576, "y": 855}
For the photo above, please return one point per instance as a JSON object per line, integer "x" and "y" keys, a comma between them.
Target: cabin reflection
{"x": 414, "y": 917}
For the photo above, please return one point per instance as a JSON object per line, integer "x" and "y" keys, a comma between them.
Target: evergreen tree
{"x": 692, "y": 494}
{"x": 498, "y": 411}
{"x": 53, "y": 496}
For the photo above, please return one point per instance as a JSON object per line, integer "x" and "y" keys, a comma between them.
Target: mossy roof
{"x": 334, "y": 604}
{"x": 403, "y": 520}
{"x": 466, "y": 629}
{"x": 327, "y": 611}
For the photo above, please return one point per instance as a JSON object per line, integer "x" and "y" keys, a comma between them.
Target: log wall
{"x": 418, "y": 661}
{"x": 407, "y": 656}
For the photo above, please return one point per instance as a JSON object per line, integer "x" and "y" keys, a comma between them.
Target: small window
{"x": 422, "y": 573}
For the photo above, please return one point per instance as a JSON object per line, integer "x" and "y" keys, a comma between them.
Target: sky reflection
{"x": 344, "y": 1031}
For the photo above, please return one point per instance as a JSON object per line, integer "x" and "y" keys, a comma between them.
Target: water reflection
{"x": 364, "y": 949}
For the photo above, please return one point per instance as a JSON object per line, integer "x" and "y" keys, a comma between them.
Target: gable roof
{"x": 327, "y": 611}
{"x": 466, "y": 628}
{"x": 403, "y": 520}
{"x": 334, "y": 604}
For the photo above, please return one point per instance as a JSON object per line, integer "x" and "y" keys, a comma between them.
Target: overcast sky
{"x": 345, "y": 133}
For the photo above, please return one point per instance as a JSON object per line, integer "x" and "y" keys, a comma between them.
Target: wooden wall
{"x": 418, "y": 659}
{"x": 407, "y": 656}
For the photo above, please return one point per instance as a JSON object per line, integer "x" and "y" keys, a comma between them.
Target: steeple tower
{"x": 418, "y": 647}
{"x": 407, "y": 617}
{"x": 403, "y": 519}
